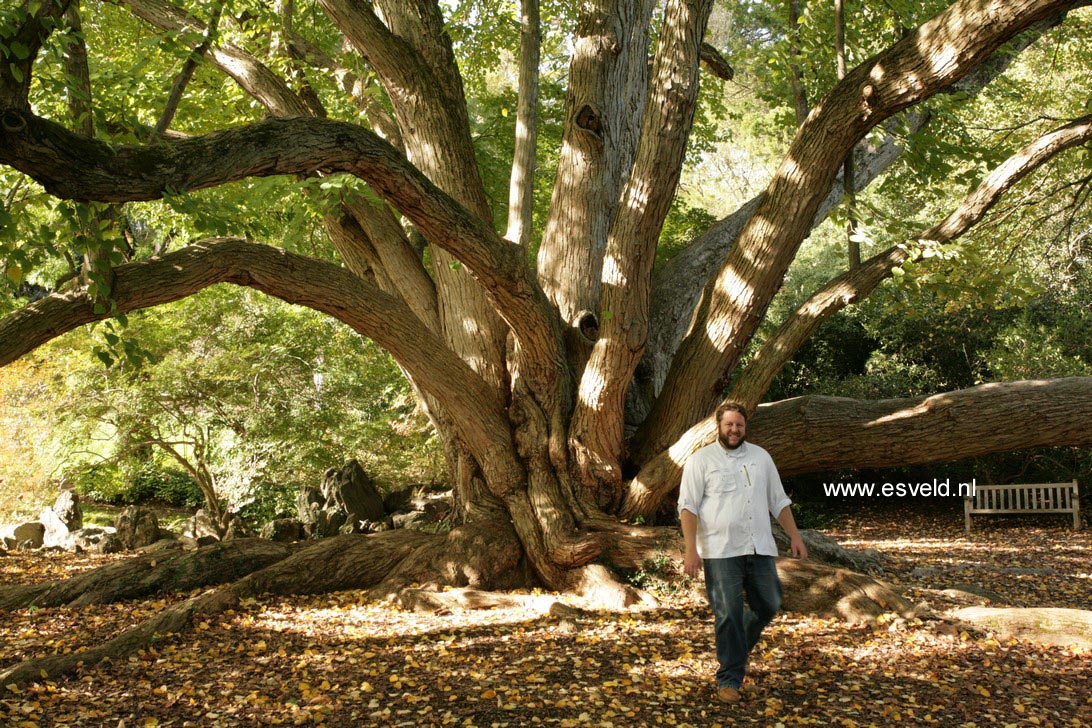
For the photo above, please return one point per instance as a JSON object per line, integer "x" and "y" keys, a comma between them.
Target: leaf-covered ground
{"x": 335, "y": 660}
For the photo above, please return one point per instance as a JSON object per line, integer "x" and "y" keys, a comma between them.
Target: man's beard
{"x": 728, "y": 445}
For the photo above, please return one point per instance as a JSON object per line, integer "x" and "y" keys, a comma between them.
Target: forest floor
{"x": 337, "y": 660}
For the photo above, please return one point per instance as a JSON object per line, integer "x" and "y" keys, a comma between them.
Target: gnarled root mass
{"x": 382, "y": 563}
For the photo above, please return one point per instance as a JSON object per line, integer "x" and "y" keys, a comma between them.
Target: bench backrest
{"x": 1024, "y": 498}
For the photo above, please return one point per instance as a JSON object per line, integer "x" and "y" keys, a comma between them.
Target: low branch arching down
{"x": 477, "y": 409}
{"x": 810, "y": 434}
{"x": 71, "y": 167}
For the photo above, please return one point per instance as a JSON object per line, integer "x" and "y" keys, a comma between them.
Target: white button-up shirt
{"x": 733, "y": 493}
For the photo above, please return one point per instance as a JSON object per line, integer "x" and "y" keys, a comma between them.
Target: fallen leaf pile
{"x": 337, "y": 660}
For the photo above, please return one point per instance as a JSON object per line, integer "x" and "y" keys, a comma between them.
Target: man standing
{"x": 729, "y": 490}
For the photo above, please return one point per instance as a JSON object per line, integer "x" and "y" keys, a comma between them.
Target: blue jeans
{"x": 737, "y": 627}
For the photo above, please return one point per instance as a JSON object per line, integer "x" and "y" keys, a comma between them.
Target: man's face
{"x": 732, "y": 429}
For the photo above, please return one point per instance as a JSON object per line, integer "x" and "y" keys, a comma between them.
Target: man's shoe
{"x": 728, "y": 695}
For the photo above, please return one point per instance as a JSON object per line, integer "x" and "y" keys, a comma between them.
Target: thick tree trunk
{"x": 608, "y": 80}
{"x": 597, "y": 423}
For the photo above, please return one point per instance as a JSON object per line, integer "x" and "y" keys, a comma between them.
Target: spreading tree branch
{"x": 933, "y": 57}
{"x": 71, "y": 167}
{"x": 251, "y": 75}
{"x": 77, "y": 72}
{"x": 679, "y": 285}
{"x": 397, "y": 257}
{"x": 36, "y": 21}
{"x": 661, "y": 475}
{"x": 412, "y": 54}
{"x": 178, "y": 88}
{"x": 716, "y": 63}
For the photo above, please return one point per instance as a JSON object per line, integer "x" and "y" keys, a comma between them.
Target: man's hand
{"x": 799, "y": 550}
{"x": 691, "y": 561}
{"x": 692, "y": 564}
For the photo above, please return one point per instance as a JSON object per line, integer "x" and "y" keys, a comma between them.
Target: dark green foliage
{"x": 133, "y": 482}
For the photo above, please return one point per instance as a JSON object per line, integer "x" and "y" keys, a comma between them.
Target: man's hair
{"x": 730, "y": 407}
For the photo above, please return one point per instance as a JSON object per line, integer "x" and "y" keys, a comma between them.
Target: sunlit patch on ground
{"x": 338, "y": 660}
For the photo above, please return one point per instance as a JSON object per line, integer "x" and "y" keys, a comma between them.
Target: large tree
{"x": 567, "y": 389}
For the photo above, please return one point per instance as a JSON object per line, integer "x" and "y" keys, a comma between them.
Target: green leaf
{"x": 20, "y": 51}
{"x": 105, "y": 358}
{"x": 15, "y": 273}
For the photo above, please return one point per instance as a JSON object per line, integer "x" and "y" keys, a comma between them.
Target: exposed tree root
{"x": 346, "y": 562}
{"x": 148, "y": 574}
{"x": 429, "y": 600}
{"x": 1043, "y": 625}
{"x": 811, "y": 587}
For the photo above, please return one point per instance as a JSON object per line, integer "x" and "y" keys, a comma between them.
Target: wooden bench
{"x": 1029, "y": 498}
